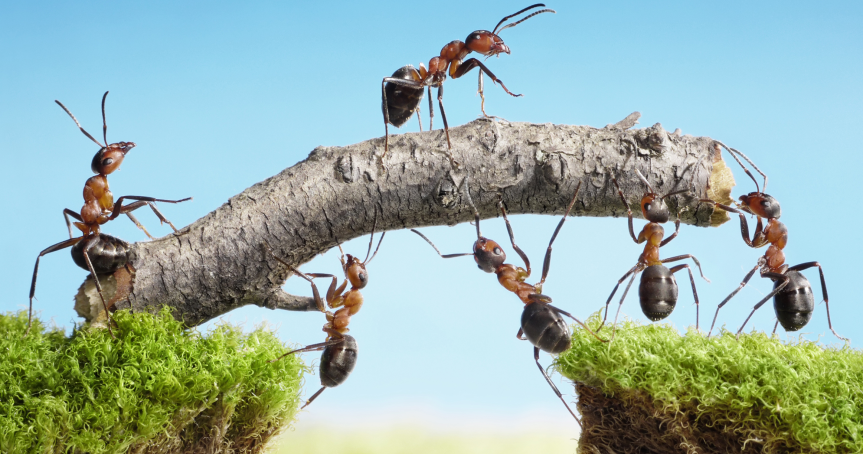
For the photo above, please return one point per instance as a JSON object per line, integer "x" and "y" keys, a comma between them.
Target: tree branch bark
{"x": 218, "y": 263}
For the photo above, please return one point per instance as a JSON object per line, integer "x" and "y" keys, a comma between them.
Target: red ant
{"x": 95, "y": 251}
{"x": 792, "y": 293}
{"x": 657, "y": 290}
{"x": 340, "y": 349}
{"x": 402, "y": 92}
{"x": 541, "y": 323}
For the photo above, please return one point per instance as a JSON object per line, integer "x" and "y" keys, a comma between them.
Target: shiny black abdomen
{"x": 108, "y": 253}
{"x": 338, "y": 361}
{"x": 545, "y": 328}
{"x": 795, "y": 303}
{"x": 402, "y": 100}
{"x": 657, "y": 292}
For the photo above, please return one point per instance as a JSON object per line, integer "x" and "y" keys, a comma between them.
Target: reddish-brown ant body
{"x": 402, "y": 92}
{"x": 792, "y": 295}
{"x": 95, "y": 251}
{"x": 340, "y": 349}
{"x": 541, "y": 323}
{"x": 657, "y": 289}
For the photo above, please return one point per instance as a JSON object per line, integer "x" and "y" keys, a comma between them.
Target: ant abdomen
{"x": 544, "y": 328}
{"x": 657, "y": 292}
{"x": 107, "y": 253}
{"x": 338, "y": 361}
{"x": 402, "y": 101}
{"x": 794, "y": 303}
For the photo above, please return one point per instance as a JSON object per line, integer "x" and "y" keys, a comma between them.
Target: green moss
{"x": 778, "y": 396}
{"x": 156, "y": 388}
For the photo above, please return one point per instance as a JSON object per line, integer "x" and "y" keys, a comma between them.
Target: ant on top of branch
{"x": 402, "y": 92}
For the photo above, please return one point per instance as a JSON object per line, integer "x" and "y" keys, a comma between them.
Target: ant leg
{"x": 472, "y": 63}
{"x": 617, "y": 314}
{"x": 758, "y": 238}
{"x": 577, "y": 321}
{"x": 419, "y": 118}
{"x": 673, "y": 235}
{"x": 808, "y": 265}
{"x": 318, "y": 301}
{"x": 66, "y": 213}
{"x": 520, "y": 335}
{"x": 628, "y": 210}
{"x": 683, "y": 257}
{"x": 431, "y": 109}
{"x": 314, "y": 396}
{"x": 334, "y": 295}
{"x": 553, "y": 387}
{"x": 118, "y": 205}
{"x": 727, "y": 298}
{"x": 608, "y": 301}
{"x": 310, "y": 348}
{"x": 775, "y": 326}
{"x": 694, "y": 293}
{"x": 445, "y": 256}
{"x": 48, "y": 250}
{"x": 546, "y": 264}
{"x": 774, "y": 276}
{"x": 481, "y": 96}
{"x": 132, "y": 207}
{"x": 98, "y": 286}
{"x": 452, "y": 160}
{"x": 512, "y": 238}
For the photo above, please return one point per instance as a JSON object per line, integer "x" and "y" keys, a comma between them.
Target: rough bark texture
{"x": 218, "y": 263}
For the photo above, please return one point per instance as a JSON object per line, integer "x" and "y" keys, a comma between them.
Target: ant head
{"x": 109, "y": 158}
{"x": 488, "y": 254}
{"x": 654, "y": 209}
{"x": 355, "y": 270}
{"x": 761, "y": 204}
{"x": 486, "y": 43}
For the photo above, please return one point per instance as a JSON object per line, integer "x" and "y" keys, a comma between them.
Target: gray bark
{"x": 218, "y": 263}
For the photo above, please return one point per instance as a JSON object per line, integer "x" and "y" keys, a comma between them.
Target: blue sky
{"x": 219, "y": 96}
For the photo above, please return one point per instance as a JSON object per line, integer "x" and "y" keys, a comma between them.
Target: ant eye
{"x": 765, "y": 203}
{"x": 107, "y": 161}
{"x": 362, "y": 277}
{"x": 647, "y": 207}
{"x": 497, "y": 251}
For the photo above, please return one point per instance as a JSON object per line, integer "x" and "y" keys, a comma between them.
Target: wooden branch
{"x": 218, "y": 263}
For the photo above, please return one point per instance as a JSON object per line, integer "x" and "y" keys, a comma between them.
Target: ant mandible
{"x": 541, "y": 323}
{"x": 340, "y": 349}
{"x": 402, "y": 92}
{"x": 657, "y": 290}
{"x": 792, "y": 295}
{"x": 94, "y": 251}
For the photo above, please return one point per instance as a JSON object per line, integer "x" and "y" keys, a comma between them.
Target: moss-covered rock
{"x": 655, "y": 391}
{"x": 156, "y": 388}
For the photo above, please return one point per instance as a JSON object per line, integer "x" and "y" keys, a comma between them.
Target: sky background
{"x": 219, "y": 96}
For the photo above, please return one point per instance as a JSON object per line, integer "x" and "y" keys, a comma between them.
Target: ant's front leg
{"x": 334, "y": 295}
{"x": 512, "y": 239}
{"x": 628, "y": 211}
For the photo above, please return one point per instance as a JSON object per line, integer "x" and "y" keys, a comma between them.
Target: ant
{"x": 94, "y": 251}
{"x": 792, "y": 295}
{"x": 541, "y": 323}
{"x": 402, "y": 92}
{"x": 340, "y": 349}
{"x": 657, "y": 290}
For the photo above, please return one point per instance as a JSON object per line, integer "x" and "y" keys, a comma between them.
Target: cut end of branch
{"x": 719, "y": 187}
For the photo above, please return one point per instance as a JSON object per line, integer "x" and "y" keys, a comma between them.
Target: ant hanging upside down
{"x": 95, "y": 251}
{"x": 340, "y": 349}
{"x": 792, "y": 295}
{"x": 541, "y": 323}
{"x": 402, "y": 92}
{"x": 657, "y": 290}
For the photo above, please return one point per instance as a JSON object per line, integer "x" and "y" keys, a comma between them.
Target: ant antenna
{"x": 470, "y": 202}
{"x": 513, "y": 24}
{"x": 644, "y": 180}
{"x": 371, "y": 239}
{"x": 732, "y": 152}
{"x": 104, "y": 123}
{"x": 79, "y": 124}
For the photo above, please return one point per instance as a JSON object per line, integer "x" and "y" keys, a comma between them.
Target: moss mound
{"x": 653, "y": 390}
{"x": 156, "y": 388}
